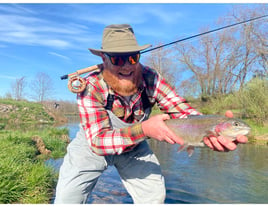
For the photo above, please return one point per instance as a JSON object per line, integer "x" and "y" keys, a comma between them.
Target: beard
{"x": 124, "y": 87}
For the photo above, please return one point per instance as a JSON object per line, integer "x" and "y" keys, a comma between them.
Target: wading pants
{"x": 139, "y": 171}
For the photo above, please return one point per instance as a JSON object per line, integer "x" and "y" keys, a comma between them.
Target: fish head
{"x": 232, "y": 128}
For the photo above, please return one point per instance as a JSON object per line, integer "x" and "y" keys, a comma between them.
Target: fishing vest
{"x": 145, "y": 102}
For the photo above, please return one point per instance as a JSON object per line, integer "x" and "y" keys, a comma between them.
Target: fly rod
{"x": 77, "y": 84}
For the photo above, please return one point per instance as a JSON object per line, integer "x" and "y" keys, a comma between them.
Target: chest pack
{"x": 144, "y": 97}
{"x": 145, "y": 101}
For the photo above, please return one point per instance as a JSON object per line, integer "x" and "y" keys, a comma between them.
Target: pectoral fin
{"x": 189, "y": 149}
{"x": 182, "y": 147}
{"x": 210, "y": 133}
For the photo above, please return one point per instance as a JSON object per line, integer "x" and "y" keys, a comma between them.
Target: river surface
{"x": 239, "y": 177}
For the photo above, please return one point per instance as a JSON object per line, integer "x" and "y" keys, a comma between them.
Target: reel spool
{"x": 76, "y": 84}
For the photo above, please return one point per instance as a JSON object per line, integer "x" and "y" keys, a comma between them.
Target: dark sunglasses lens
{"x": 133, "y": 59}
{"x": 117, "y": 60}
{"x": 120, "y": 60}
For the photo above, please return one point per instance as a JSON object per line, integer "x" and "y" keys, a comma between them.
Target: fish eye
{"x": 235, "y": 123}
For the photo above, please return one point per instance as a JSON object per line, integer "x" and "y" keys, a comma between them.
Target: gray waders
{"x": 139, "y": 170}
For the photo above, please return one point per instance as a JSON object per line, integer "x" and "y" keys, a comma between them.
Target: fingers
{"x": 170, "y": 136}
{"x": 213, "y": 143}
{"x": 208, "y": 143}
{"x": 220, "y": 143}
{"x": 167, "y": 139}
{"x": 229, "y": 145}
{"x": 177, "y": 139}
{"x": 156, "y": 128}
{"x": 165, "y": 117}
{"x": 241, "y": 139}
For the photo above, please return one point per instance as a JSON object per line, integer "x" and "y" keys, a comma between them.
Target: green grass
{"x": 25, "y": 178}
{"x": 24, "y": 112}
{"x": 258, "y": 130}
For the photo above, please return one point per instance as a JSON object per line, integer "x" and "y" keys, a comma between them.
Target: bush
{"x": 219, "y": 104}
{"x": 253, "y": 100}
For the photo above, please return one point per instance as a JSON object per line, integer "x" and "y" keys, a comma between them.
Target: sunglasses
{"x": 120, "y": 60}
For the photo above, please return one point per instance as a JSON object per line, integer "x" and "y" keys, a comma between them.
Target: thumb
{"x": 165, "y": 117}
{"x": 229, "y": 114}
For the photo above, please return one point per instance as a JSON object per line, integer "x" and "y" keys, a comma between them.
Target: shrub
{"x": 253, "y": 99}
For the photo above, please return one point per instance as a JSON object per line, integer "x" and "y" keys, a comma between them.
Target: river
{"x": 239, "y": 177}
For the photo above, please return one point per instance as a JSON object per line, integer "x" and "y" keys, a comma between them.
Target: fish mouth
{"x": 241, "y": 132}
{"x": 244, "y": 130}
{"x": 233, "y": 134}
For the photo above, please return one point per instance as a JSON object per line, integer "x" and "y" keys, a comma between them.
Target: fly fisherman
{"x": 114, "y": 111}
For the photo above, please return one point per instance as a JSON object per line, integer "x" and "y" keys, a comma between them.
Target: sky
{"x": 54, "y": 38}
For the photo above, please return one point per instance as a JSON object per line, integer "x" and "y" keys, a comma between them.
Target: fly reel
{"x": 77, "y": 84}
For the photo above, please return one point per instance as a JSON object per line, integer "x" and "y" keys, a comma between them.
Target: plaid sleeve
{"x": 168, "y": 100}
{"x": 102, "y": 139}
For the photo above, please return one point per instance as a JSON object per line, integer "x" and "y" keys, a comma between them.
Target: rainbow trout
{"x": 194, "y": 128}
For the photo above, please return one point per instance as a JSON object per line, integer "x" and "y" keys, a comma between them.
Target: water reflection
{"x": 240, "y": 176}
{"x": 210, "y": 177}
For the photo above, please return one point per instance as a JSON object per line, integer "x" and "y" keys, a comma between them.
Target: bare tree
{"x": 250, "y": 45}
{"x": 18, "y": 88}
{"x": 42, "y": 87}
{"x": 160, "y": 60}
{"x": 224, "y": 61}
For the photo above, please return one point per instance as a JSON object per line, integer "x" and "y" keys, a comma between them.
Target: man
{"x": 114, "y": 111}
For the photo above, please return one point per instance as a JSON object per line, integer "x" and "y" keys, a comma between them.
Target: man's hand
{"x": 156, "y": 128}
{"x": 223, "y": 144}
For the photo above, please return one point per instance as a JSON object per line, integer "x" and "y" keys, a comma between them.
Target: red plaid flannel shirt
{"x": 102, "y": 138}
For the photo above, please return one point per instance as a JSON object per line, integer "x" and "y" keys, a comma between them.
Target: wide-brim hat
{"x": 119, "y": 38}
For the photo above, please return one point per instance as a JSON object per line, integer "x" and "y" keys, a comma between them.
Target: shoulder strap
{"x": 110, "y": 101}
{"x": 145, "y": 100}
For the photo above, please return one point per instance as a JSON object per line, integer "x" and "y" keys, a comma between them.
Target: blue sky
{"x": 54, "y": 38}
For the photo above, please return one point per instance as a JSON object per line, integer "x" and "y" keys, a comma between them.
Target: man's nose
{"x": 127, "y": 65}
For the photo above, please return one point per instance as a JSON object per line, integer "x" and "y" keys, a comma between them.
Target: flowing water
{"x": 238, "y": 177}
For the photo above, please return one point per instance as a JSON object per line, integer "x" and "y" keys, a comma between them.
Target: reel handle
{"x": 82, "y": 71}
{"x": 64, "y": 77}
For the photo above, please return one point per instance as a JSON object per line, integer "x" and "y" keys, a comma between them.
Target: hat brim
{"x": 119, "y": 50}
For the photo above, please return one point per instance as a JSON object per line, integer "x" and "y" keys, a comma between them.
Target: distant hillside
{"x": 25, "y": 112}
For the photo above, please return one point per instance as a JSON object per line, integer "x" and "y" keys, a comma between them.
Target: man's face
{"x": 123, "y": 79}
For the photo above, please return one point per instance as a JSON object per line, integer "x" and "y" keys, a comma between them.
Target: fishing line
{"x": 77, "y": 84}
{"x": 204, "y": 33}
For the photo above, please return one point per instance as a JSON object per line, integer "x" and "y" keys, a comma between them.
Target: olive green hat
{"x": 119, "y": 38}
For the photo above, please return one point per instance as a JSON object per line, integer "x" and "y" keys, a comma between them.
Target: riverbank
{"x": 27, "y": 139}
{"x": 25, "y": 178}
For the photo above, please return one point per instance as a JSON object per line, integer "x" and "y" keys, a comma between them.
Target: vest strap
{"x": 145, "y": 101}
{"x": 110, "y": 101}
